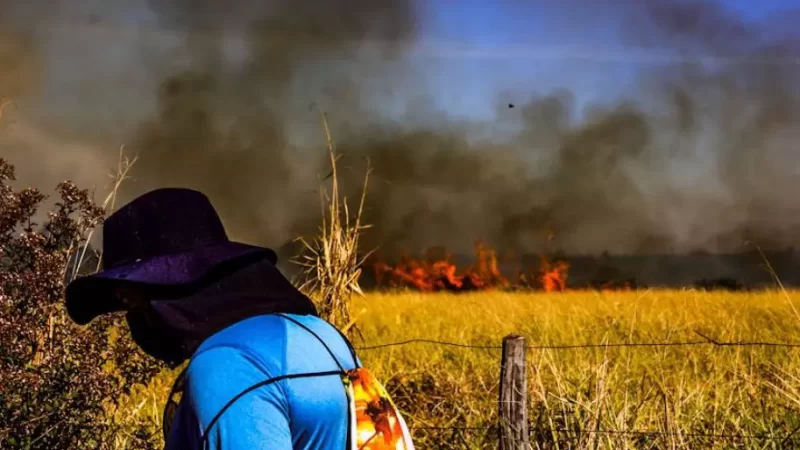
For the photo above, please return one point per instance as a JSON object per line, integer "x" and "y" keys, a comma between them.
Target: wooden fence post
{"x": 513, "y": 395}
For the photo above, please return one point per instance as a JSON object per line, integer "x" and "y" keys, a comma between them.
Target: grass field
{"x": 660, "y": 397}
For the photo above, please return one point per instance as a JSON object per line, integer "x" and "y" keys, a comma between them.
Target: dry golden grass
{"x": 678, "y": 391}
{"x": 331, "y": 265}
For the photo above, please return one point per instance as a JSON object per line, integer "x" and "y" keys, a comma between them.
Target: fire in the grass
{"x": 439, "y": 273}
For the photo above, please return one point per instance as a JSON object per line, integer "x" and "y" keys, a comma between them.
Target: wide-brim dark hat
{"x": 166, "y": 237}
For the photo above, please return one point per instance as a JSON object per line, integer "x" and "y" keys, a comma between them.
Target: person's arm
{"x": 258, "y": 420}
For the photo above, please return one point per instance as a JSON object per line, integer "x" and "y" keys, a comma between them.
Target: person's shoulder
{"x": 309, "y": 321}
{"x": 266, "y": 326}
{"x": 228, "y": 363}
{"x": 268, "y": 330}
{"x": 246, "y": 352}
{"x": 219, "y": 374}
{"x": 261, "y": 336}
{"x": 312, "y": 335}
{"x": 312, "y": 328}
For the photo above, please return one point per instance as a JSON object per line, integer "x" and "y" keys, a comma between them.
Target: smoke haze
{"x": 701, "y": 153}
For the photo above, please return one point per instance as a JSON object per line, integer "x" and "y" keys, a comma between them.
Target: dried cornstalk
{"x": 330, "y": 262}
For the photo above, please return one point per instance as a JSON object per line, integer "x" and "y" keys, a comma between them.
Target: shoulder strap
{"x": 259, "y": 385}
{"x": 330, "y": 352}
{"x": 349, "y": 346}
{"x": 171, "y": 408}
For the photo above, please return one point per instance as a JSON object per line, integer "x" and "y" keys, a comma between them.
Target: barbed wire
{"x": 549, "y": 431}
{"x": 429, "y": 341}
{"x": 706, "y": 341}
{"x": 546, "y": 434}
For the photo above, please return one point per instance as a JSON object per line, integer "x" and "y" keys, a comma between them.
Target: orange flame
{"x": 554, "y": 276}
{"x": 438, "y": 274}
{"x": 442, "y": 274}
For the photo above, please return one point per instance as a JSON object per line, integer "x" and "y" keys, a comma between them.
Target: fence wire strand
{"x": 458, "y": 432}
{"x": 547, "y": 431}
{"x": 706, "y": 341}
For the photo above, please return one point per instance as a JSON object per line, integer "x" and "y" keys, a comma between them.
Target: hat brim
{"x": 92, "y": 296}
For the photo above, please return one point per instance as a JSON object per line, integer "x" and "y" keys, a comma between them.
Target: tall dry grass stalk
{"x": 778, "y": 282}
{"x": 124, "y": 165}
{"x": 330, "y": 263}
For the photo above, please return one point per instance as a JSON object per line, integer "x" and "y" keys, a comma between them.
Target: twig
{"x": 124, "y": 165}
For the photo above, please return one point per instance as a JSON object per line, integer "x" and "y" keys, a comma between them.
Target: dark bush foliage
{"x": 58, "y": 381}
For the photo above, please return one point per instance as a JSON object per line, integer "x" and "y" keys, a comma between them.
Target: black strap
{"x": 258, "y": 385}
{"x": 171, "y": 408}
{"x": 328, "y": 349}
{"x": 349, "y": 346}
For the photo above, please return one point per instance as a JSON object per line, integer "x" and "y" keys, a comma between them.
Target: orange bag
{"x": 377, "y": 423}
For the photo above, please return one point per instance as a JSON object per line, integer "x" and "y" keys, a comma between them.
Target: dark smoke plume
{"x": 700, "y": 155}
{"x": 705, "y": 159}
{"x": 224, "y": 129}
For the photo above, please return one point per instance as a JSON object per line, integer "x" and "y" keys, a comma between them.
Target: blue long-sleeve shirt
{"x": 292, "y": 414}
